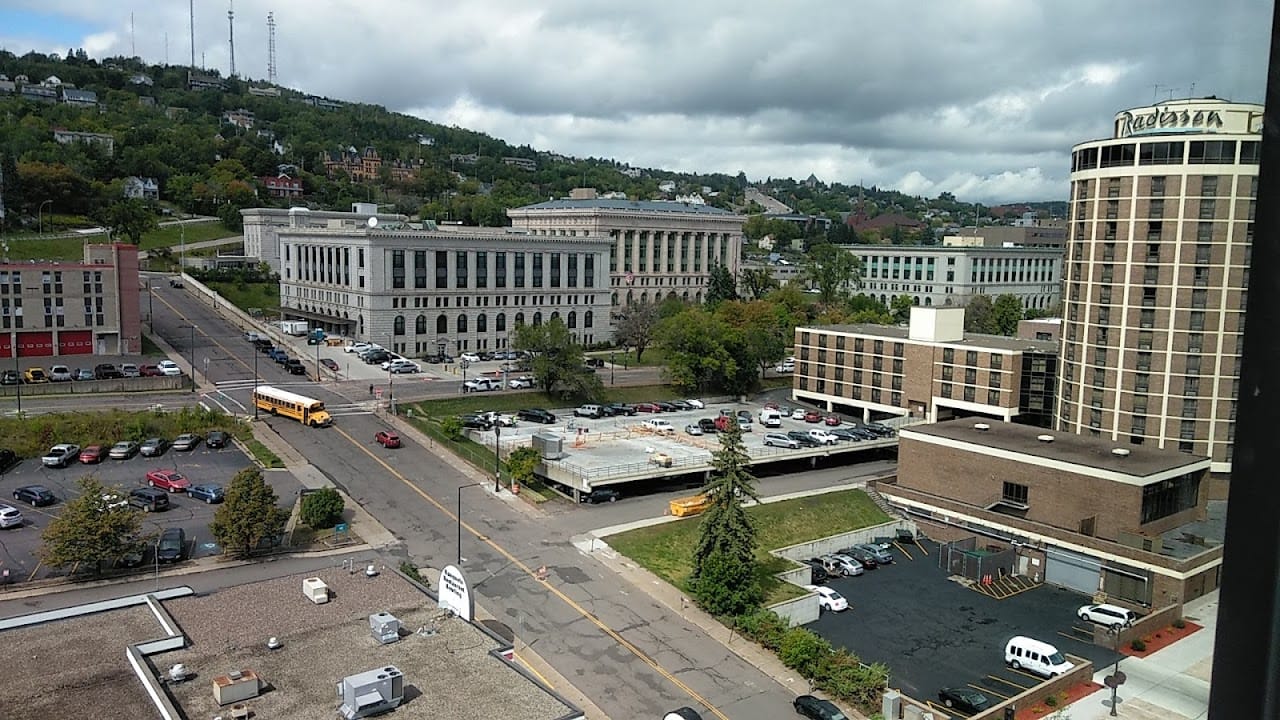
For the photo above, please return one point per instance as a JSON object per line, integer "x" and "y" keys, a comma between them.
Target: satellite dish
{"x": 372, "y": 223}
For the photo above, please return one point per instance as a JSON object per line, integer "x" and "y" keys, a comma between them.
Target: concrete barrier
{"x": 798, "y": 611}
{"x": 835, "y": 543}
{"x": 1146, "y": 625}
{"x": 89, "y": 387}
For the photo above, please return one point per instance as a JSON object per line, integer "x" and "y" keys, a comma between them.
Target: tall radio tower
{"x": 191, "y": 9}
{"x": 271, "y": 48}
{"x": 231, "y": 33}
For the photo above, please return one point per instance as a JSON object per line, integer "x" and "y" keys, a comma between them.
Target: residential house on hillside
{"x": 141, "y": 79}
{"x": 366, "y": 166}
{"x": 66, "y": 137}
{"x": 80, "y": 98}
{"x": 522, "y": 163}
{"x": 667, "y": 186}
{"x": 264, "y": 91}
{"x": 21, "y": 79}
{"x": 141, "y": 188}
{"x": 281, "y": 186}
{"x": 52, "y": 81}
{"x": 461, "y": 159}
{"x": 39, "y": 93}
{"x": 322, "y": 103}
{"x": 241, "y": 118}
{"x": 199, "y": 81}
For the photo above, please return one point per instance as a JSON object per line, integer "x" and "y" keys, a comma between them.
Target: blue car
{"x": 278, "y": 355}
{"x": 208, "y": 493}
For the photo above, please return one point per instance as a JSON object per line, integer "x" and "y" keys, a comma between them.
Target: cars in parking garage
{"x": 845, "y": 434}
{"x": 797, "y": 414}
{"x": 832, "y": 421}
{"x": 812, "y": 416}
{"x": 780, "y": 440}
{"x": 802, "y": 438}
{"x": 822, "y": 437}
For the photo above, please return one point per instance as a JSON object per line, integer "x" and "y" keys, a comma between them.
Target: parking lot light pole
{"x": 193, "y": 358}
{"x": 1114, "y": 680}
{"x": 18, "y": 376}
{"x": 497, "y": 458}
{"x": 610, "y": 368}
{"x": 459, "y": 516}
{"x": 256, "y": 353}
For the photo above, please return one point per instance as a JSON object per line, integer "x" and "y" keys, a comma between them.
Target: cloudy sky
{"x": 982, "y": 98}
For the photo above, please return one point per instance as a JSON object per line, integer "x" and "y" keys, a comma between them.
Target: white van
{"x": 1038, "y": 657}
{"x": 770, "y": 418}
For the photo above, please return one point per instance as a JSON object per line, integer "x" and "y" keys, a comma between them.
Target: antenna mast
{"x": 271, "y": 48}
{"x": 191, "y": 8}
{"x": 133, "y": 47}
{"x": 231, "y": 33}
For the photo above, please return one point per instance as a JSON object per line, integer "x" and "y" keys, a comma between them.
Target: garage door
{"x": 35, "y": 344}
{"x": 1071, "y": 570}
{"x": 6, "y": 345}
{"x": 75, "y": 342}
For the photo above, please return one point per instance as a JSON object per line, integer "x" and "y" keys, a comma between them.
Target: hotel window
{"x": 1209, "y": 186}
{"x": 879, "y": 347}
{"x": 1161, "y": 153}
{"x": 993, "y": 397}
{"x": 397, "y": 269}
{"x": 1113, "y": 212}
{"x": 971, "y": 357}
{"x": 948, "y": 355}
{"x": 875, "y": 395}
{"x": 970, "y": 376}
{"x": 1212, "y": 152}
{"x": 1156, "y": 209}
{"x": 968, "y": 393}
{"x": 997, "y": 361}
{"x": 1169, "y": 497}
{"x": 1120, "y": 155}
{"x": 1250, "y": 153}
{"x": 1144, "y": 361}
{"x": 1147, "y": 318}
{"x": 1157, "y": 186}
{"x": 442, "y": 269}
{"x": 857, "y": 345}
{"x": 946, "y": 390}
{"x": 897, "y": 365}
{"x": 1199, "y": 298}
{"x": 993, "y": 379}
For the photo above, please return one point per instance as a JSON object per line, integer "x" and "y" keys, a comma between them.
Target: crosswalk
{"x": 248, "y": 384}
{"x": 221, "y": 397}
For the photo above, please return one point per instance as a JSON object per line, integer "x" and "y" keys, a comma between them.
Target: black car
{"x": 295, "y": 367}
{"x": 8, "y": 459}
{"x": 708, "y": 425}
{"x": 665, "y": 406}
{"x": 216, "y": 439}
{"x": 376, "y": 357}
{"x": 861, "y": 555}
{"x": 476, "y": 422}
{"x": 845, "y": 434}
{"x": 862, "y": 433}
{"x": 594, "y": 362}
{"x": 877, "y": 429}
{"x": 172, "y": 545}
{"x": 803, "y": 438}
{"x": 817, "y": 708}
{"x": 964, "y": 699}
{"x": 537, "y": 415}
{"x": 149, "y": 499}
{"x": 599, "y": 495}
{"x": 34, "y": 495}
{"x": 681, "y": 405}
{"x": 10, "y": 377}
{"x": 107, "y": 371}
{"x": 613, "y": 409}
{"x": 819, "y": 573}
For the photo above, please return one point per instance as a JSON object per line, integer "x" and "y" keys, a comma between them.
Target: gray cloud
{"x": 982, "y": 98}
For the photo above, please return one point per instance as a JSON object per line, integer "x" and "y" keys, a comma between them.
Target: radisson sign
{"x": 1220, "y": 117}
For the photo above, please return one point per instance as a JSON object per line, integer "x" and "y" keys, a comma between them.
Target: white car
{"x": 797, "y": 414}
{"x": 524, "y": 381}
{"x": 496, "y": 418}
{"x": 659, "y": 425}
{"x": 60, "y": 373}
{"x": 1108, "y": 615}
{"x": 469, "y": 357}
{"x": 785, "y": 367}
{"x": 828, "y": 599}
{"x": 111, "y": 501}
{"x": 10, "y": 516}
{"x": 169, "y": 367}
{"x": 356, "y": 347}
{"x": 822, "y": 437}
{"x": 695, "y": 404}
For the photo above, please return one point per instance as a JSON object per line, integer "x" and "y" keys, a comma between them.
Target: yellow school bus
{"x": 305, "y": 410}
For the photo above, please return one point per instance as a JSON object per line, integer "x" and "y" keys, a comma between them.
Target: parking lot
{"x": 18, "y": 546}
{"x": 933, "y": 632}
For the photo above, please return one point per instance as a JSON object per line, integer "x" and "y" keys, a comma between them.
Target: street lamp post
{"x": 610, "y": 368}
{"x": 317, "y": 358}
{"x": 391, "y": 392}
{"x": 192, "y": 358}
{"x": 256, "y": 353}
{"x": 40, "y": 216}
{"x": 497, "y": 457}
{"x": 459, "y": 517}
{"x": 18, "y": 375}
{"x": 1116, "y": 678}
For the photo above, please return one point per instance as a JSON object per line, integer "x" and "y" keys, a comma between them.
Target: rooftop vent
{"x": 1120, "y": 452}
{"x": 1045, "y": 438}
{"x": 981, "y": 426}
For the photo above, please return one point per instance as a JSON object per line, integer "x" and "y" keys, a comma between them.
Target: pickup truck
{"x": 481, "y": 385}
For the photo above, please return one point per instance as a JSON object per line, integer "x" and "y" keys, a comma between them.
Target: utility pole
{"x": 191, "y": 10}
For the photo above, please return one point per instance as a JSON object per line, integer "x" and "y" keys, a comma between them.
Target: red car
{"x": 771, "y": 406}
{"x": 647, "y": 407}
{"x": 92, "y": 454}
{"x": 168, "y": 480}
{"x": 387, "y": 439}
{"x": 149, "y": 371}
{"x": 832, "y": 420}
{"x": 812, "y": 416}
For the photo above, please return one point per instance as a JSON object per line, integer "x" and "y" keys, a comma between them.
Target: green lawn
{"x": 506, "y": 401}
{"x": 23, "y": 246}
{"x": 667, "y": 549}
{"x": 265, "y": 295}
{"x": 171, "y": 235}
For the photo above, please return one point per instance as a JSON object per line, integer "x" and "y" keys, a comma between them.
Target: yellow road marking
{"x": 1006, "y": 682}
{"x": 917, "y": 542}
{"x": 1024, "y": 673}
{"x": 988, "y": 691}
{"x": 541, "y": 677}
{"x": 903, "y": 551}
{"x": 532, "y": 573}
{"x": 35, "y": 570}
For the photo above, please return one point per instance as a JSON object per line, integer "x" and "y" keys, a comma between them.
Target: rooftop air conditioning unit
{"x": 236, "y": 686}
{"x": 983, "y": 427}
{"x": 371, "y": 692}
{"x": 315, "y": 590}
{"x": 384, "y": 627}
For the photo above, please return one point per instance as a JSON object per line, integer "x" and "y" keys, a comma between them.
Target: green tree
{"x": 451, "y": 427}
{"x": 89, "y": 531}
{"x": 1005, "y": 314}
{"x": 723, "y": 577}
{"x": 11, "y": 195}
{"x": 900, "y": 308}
{"x": 248, "y": 515}
{"x": 557, "y": 360}
{"x": 756, "y": 282}
{"x": 978, "y": 315}
{"x": 129, "y": 218}
{"x": 765, "y": 328}
{"x": 720, "y": 286}
{"x": 522, "y": 463}
{"x": 835, "y": 271}
{"x": 695, "y": 352}
{"x": 633, "y": 326}
{"x": 322, "y": 508}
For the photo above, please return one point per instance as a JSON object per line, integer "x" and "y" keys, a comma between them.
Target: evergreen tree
{"x": 248, "y": 515}
{"x": 723, "y": 577}
{"x": 721, "y": 286}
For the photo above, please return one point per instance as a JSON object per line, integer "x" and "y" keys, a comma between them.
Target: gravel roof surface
{"x": 75, "y": 668}
{"x": 449, "y": 676}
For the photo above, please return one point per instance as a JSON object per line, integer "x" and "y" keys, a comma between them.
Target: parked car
{"x": 862, "y": 433}
{"x": 469, "y": 357}
{"x": 10, "y": 377}
{"x": 403, "y": 367}
{"x": 849, "y": 567}
{"x": 828, "y": 599}
{"x": 845, "y": 434}
{"x": 356, "y": 347}
{"x": 1041, "y": 658}
{"x": 150, "y": 371}
{"x": 822, "y": 437}
{"x": 294, "y": 366}
{"x": 520, "y": 383}
{"x": 149, "y": 499}
{"x": 207, "y": 492}
{"x": 8, "y": 458}
{"x": 61, "y": 455}
{"x": 170, "y": 480}
{"x": 780, "y": 440}
{"x": 832, "y": 421}
{"x": 130, "y": 370}
{"x": 216, "y": 439}
{"x": 695, "y": 404}
{"x": 123, "y": 450}
{"x": 106, "y": 371}
{"x": 784, "y": 367}
{"x": 665, "y": 406}
{"x": 153, "y": 447}
{"x": 708, "y": 425}
{"x": 659, "y": 425}
{"x": 186, "y": 441}
{"x": 879, "y": 429}
{"x": 1108, "y": 615}
{"x": 802, "y": 438}
{"x": 681, "y": 405}
{"x": 278, "y": 355}
{"x": 34, "y": 495}
{"x": 10, "y": 517}
{"x": 797, "y": 414}
{"x": 92, "y": 454}
{"x": 481, "y": 384}
{"x": 172, "y": 545}
{"x": 693, "y": 429}
{"x": 387, "y": 438}
{"x": 35, "y": 376}
{"x": 82, "y": 374}
{"x": 588, "y": 411}
{"x": 647, "y": 407}
{"x": 818, "y": 574}
{"x": 964, "y": 699}
{"x": 111, "y": 501}
{"x": 476, "y": 422}
{"x": 682, "y": 713}
{"x": 329, "y": 363}
{"x": 812, "y": 416}
{"x": 60, "y": 373}
{"x": 599, "y": 495}
{"x": 868, "y": 560}
{"x": 537, "y": 415}
{"x": 614, "y": 409}
{"x": 817, "y": 708}
{"x": 881, "y": 556}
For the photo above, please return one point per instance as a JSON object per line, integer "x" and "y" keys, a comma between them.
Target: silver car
{"x": 882, "y": 557}
{"x": 123, "y": 450}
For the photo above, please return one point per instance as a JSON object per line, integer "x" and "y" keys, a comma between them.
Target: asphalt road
{"x": 932, "y": 632}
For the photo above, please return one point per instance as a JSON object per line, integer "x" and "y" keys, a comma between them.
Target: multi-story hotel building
{"x": 950, "y": 275}
{"x": 72, "y": 308}
{"x": 656, "y": 249}
{"x": 455, "y": 289}
{"x": 930, "y": 370}
{"x": 1156, "y": 270}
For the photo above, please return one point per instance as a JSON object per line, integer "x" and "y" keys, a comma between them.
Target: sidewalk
{"x": 1170, "y": 684}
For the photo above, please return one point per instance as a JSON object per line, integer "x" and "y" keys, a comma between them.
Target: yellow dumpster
{"x": 682, "y": 507}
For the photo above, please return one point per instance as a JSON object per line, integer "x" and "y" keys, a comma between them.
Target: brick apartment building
{"x": 1086, "y": 513}
{"x": 72, "y": 308}
{"x": 930, "y": 370}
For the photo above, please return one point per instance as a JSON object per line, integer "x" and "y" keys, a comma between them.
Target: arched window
{"x": 420, "y": 325}
{"x": 482, "y": 323}
{"x": 916, "y": 301}
{"x": 586, "y": 319}
{"x": 555, "y": 315}
{"x": 462, "y": 323}
{"x": 631, "y": 296}
{"x": 615, "y": 299}
{"x": 537, "y": 319}
{"x": 442, "y": 324}
{"x": 519, "y": 319}
{"x": 572, "y": 320}
{"x": 500, "y": 323}
{"x": 928, "y": 301}
{"x": 399, "y": 325}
